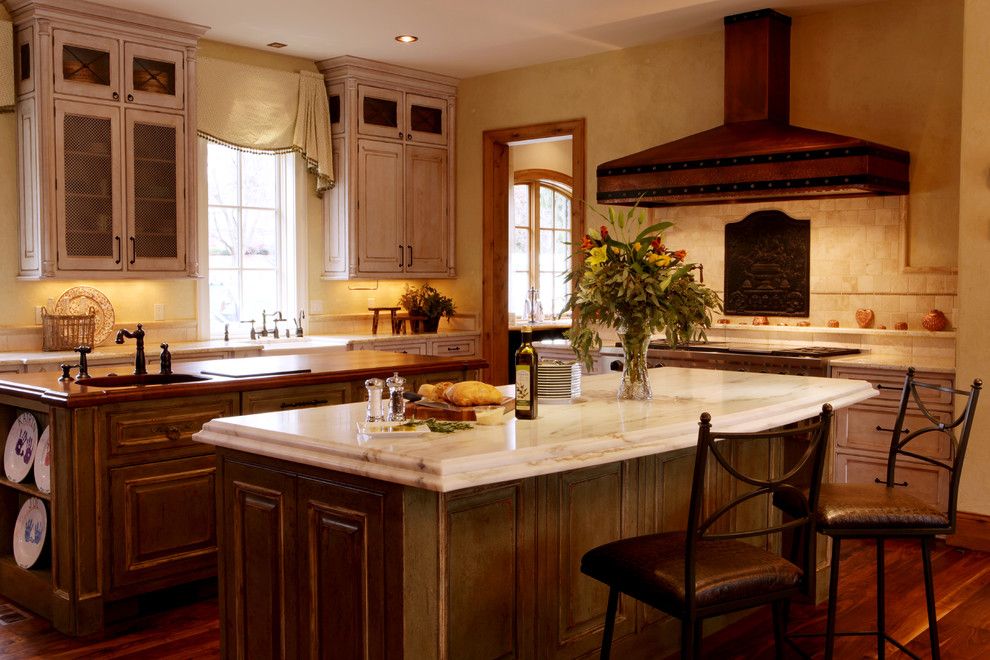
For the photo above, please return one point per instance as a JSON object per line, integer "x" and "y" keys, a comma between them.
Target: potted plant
{"x": 425, "y": 303}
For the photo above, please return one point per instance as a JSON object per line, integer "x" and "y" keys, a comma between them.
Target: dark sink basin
{"x": 144, "y": 379}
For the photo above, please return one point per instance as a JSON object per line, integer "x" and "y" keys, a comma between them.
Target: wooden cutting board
{"x": 450, "y": 412}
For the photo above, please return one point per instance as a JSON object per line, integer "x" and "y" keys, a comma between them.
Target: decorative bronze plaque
{"x": 767, "y": 265}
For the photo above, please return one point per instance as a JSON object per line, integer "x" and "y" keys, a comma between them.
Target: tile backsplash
{"x": 856, "y": 247}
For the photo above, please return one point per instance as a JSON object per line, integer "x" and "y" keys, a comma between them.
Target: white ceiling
{"x": 458, "y": 37}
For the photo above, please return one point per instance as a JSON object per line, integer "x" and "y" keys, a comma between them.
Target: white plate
{"x": 29, "y": 532}
{"x": 43, "y": 462}
{"x": 22, "y": 441}
{"x": 391, "y": 430}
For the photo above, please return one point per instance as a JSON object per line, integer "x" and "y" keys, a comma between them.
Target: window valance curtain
{"x": 266, "y": 110}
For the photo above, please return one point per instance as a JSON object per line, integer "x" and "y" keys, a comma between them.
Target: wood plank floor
{"x": 962, "y": 586}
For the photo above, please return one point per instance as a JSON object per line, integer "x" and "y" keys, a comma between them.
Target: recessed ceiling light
{"x": 276, "y": 44}
{"x": 406, "y": 38}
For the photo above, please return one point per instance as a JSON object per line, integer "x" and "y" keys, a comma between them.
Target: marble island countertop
{"x": 598, "y": 429}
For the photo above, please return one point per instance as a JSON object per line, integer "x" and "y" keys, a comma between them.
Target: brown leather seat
{"x": 705, "y": 570}
{"x": 651, "y": 569}
{"x": 869, "y": 506}
{"x": 885, "y": 510}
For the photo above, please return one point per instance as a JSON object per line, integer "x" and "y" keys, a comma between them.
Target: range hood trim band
{"x": 865, "y": 183}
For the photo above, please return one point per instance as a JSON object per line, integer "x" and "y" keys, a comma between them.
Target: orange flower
{"x": 680, "y": 255}
{"x": 587, "y": 243}
{"x": 604, "y": 232}
{"x": 656, "y": 245}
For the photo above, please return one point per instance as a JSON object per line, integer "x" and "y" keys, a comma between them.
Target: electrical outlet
{"x": 159, "y": 312}
{"x": 37, "y": 314}
{"x": 316, "y": 306}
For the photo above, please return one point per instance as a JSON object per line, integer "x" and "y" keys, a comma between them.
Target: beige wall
{"x": 889, "y": 72}
{"x": 972, "y": 346}
{"x": 555, "y": 155}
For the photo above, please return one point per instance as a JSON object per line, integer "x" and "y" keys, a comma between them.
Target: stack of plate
{"x": 558, "y": 380}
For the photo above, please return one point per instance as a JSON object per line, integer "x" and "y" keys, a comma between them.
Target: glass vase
{"x": 635, "y": 381}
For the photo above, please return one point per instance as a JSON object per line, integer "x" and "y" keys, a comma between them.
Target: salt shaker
{"x": 375, "y": 386}
{"x": 396, "y": 409}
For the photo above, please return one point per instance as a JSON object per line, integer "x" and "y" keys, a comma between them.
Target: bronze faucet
{"x": 276, "y": 317}
{"x": 140, "y": 365}
{"x": 298, "y": 321}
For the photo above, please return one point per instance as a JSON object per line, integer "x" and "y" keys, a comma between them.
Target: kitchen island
{"x": 131, "y": 506}
{"x": 468, "y": 545}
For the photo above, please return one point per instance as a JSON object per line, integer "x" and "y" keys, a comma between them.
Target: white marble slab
{"x": 597, "y": 430}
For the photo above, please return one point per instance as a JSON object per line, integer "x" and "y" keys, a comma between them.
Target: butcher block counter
{"x": 468, "y": 545}
{"x": 131, "y": 505}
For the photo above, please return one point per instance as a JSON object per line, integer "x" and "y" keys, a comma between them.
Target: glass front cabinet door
{"x": 86, "y": 65}
{"x": 153, "y": 76}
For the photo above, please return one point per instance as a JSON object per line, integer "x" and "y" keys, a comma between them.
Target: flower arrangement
{"x": 427, "y": 302}
{"x": 637, "y": 286}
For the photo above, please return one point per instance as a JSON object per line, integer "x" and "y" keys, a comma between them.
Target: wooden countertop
{"x": 596, "y": 430}
{"x": 336, "y": 367}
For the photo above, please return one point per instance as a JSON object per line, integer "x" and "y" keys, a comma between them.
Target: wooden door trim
{"x": 495, "y": 240}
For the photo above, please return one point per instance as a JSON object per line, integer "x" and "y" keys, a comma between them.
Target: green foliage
{"x": 425, "y": 300}
{"x": 638, "y": 285}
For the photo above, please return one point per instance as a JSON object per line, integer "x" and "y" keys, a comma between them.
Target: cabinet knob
{"x": 400, "y": 135}
{"x": 130, "y": 97}
{"x": 408, "y": 136}
{"x": 116, "y": 96}
{"x": 171, "y": 432}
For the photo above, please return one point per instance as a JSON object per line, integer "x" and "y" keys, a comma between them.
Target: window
{"x": 251, "y": 236}
{"x": 539, "y": 244}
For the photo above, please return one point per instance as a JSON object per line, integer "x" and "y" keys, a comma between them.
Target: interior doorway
{"x": 497, "y": 189}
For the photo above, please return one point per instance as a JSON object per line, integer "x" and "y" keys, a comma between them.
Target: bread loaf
{"x": 473, "y": 393}
{"x": 434, "y": 392}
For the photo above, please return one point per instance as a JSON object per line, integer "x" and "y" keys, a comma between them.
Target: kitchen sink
{"x": 142, "y": 379}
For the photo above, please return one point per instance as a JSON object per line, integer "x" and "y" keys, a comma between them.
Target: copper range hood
{"x": 756, "y": 154}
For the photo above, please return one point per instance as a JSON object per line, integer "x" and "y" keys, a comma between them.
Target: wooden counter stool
{"x": 706, "y": 570}
{"x": 884, "y": 510}
{"x": 374, "y": 319}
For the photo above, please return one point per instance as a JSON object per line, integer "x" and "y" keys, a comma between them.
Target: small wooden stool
{"x": 377, "y": 311}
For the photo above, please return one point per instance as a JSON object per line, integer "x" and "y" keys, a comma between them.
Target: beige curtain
{"x": 266, "y": 110}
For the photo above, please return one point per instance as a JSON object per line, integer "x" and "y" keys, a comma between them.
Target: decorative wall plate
{"x": 43, "y": 462}
{"x": 29, "y": 532}
{"x": 22, "y": 443}
{"x": 79, "y": 299}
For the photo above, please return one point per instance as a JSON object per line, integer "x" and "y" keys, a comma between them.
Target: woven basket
{"x": 64, "y": 332}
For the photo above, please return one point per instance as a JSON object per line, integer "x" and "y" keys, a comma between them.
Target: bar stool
{"x": 884, "y": 510}
{"x": 703, "y": 571}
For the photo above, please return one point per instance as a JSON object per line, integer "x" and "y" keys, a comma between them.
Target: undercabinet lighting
{"x": 276, "y": 44}
{"x": 406, "y": 38}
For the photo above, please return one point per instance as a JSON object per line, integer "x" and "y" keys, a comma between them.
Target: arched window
{"x": 539, "y": 240}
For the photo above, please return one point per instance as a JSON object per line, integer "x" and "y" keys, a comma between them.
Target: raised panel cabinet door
{"x": 163, "y": 522}
{"x": 427, "y": 116}
{"x": 427, "y": 222}
{"x": 926, "y": 482}
{"x": 335, "y": 246}
{"x": 29, "y": 186}
{"x": 258, "y": 578}
{"x": 343, "y": 572}
{"x": 89, "y": 187}
{"x": 380, "y": 244}
{"x": 380, "y": 112}
{"x": 154, "y": 76}
{"x": 86, "y": 65}
{"x": 290, "y": 398}
{"x": 156, "y": 219}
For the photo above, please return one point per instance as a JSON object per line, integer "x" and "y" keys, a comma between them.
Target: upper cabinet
{"x": 391, "y": 214}
{"x": 106, "y": 142}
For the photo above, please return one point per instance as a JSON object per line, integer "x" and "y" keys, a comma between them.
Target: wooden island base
{"x": 319, "y": 563}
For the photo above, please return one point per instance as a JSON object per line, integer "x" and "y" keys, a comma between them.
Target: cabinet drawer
{"x": 857, "y": 429}
{"x": 443, "y": 347}
{"x": 163, "y": 521}
{"x": 926, "y": 482}
{"x": 410, "y": 347}
{"x": 895, "y": 379}
{"x": 289, "y": 398}
{"x": 133, "y": 430}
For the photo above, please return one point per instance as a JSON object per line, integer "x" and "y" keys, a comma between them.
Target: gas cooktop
{"x": 783, "y": 351}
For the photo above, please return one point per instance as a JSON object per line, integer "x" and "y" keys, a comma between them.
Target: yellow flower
{"x": 596, "y": 256}
{"x": 616, "y": 249}
{"x": 637, "y": 246}
{"x": 660, "y": 259}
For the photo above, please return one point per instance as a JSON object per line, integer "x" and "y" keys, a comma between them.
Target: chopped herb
{"x": 437, "y": 426}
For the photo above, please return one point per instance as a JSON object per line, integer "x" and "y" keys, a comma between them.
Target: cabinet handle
{"x": 130, "y": 97}
{"x": 171, "y": 432}
{"x": 409, "y": 265}
{"x": 401, "y": 262}
{"x": 116, "y": 96}
{"x": 880, "y": 428}
{"x": 133, "y": 251}
{"x": 304, "y": 404}
{"x": 117, "y": 260}
{"x": 453, "y": 348}
{"x": 883, "y": 481}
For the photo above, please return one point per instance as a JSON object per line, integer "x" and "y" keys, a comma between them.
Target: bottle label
{"x": 523, "y": 395}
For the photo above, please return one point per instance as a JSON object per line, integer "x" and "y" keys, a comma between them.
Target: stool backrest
{"x": 798, "y": 483}
{"x": 957, "y": 431}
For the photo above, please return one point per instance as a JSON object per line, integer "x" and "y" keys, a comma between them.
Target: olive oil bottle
{"x": 526, "y": 389}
